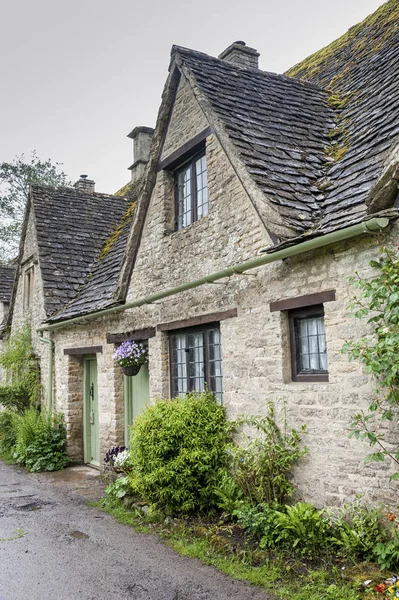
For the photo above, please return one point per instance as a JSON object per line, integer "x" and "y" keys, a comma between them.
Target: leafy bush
{"x": 259, "y": 521}
{"x": 262, "y": 465}
{"x": 302, "y": 527}
{"x": 386, "y": 551}
{"x": 228, "y": 494}
{"x": 118, "y": 489}
{"x": 22, "y": 370}
{"x": 40, "y": 441}
{"x": 8, "y": 432}
{"x": 178, "y": 452}
{"x": 357, "y": 529}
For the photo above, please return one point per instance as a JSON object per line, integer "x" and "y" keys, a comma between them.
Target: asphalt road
{"x": 53, "y": 546}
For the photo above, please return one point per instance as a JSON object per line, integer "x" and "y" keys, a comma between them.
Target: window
{"x": 191, "y": 191}
{"x": 308, "y": 344}
{"x": 28, "y": 287}
{"x": 196, "y": 361}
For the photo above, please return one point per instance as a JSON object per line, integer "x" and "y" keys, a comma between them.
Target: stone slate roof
{"x": 99, "y": 287}
{"x": 279, "y": 126}
{"x": 72, "y": 227}
{"x": 316, "y": 147}
{"x": 361, "y": 73}
{"x": 7, "y": 274}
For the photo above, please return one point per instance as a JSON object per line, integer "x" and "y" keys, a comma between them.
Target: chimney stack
{"x": 84, "y": 185}
{"x": 241, "y": 55}
{"x": 142, "y": 138}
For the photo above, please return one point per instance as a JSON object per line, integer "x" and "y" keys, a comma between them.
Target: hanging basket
{"x": 131, "y": 371}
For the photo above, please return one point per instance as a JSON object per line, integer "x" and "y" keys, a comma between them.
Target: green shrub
{"x": 23, "y": 388}
{"x": 178, "y": 453}
{"x": 259, "y": 521}
{"x": 357, "y": 528}
{"x": 40, "y": 442}
{"x": 303, "y": 528}
{"x": 228, "y": 494}
{"x": 8, "y": 432}
{"x": 261, "y": 466}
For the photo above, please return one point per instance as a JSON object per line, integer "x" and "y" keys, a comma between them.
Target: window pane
{"x": 202, "y": 187}
{"x": 179, "y": 364}
{"x": 310, "y": 345}
{"x": 197, "y": 362}
{"x": 184, "y": 198}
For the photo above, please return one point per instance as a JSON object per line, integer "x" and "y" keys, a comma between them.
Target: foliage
{"x": 8, "y": 432}
{"x": 119, "y": 489}
{"x": 130, "y": 354}
{"x": 379, "y": 303}
{"x": 40, "y": 441}
{"x": 261, "y": 467}
{"x": 178, "y": 452}
{"x": 22, "y": 370}
{"x": 15, "y": 179}
{"x": 386, "y": 551}
{"x": 304, "y": 528}
{"x": 228, "y": 494}
{"x": 260, "y": 522}
{"x": 357, "y": 529}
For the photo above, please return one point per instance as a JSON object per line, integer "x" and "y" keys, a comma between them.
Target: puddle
{"x": 79, "y": 535}
{"x": 28, "y": 507}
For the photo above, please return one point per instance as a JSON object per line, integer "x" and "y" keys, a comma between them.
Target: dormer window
{"x": 191, "y": 191}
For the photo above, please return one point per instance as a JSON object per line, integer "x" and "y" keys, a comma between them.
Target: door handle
{"x": 92, "y": 390}
{"x": 92, "y": 417}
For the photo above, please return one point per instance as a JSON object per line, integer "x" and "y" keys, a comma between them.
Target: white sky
{"x": 78, "y": 75}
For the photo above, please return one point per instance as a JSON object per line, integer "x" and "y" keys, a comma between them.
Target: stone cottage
{"x": 251, "y": 202}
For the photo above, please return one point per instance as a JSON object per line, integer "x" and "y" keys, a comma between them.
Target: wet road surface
{"x": 55, "y": 547}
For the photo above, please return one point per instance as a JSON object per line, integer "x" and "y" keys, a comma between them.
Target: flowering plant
{"x": 112, "y": 454}
{"x": 390, "y": 588}
{"x": 131, "y": 354}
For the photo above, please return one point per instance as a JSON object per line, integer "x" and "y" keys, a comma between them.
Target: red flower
{"x": 380, "y": 588}
{"x": 391, "y": 517}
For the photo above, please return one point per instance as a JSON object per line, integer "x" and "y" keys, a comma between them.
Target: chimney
{"x": 142, "y": 138}
{"x": 241, "y": 55}
{"x": 84, "y": 185}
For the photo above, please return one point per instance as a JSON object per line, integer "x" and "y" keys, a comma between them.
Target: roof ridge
{"x": 181, "y": 50}
{"x": 40, "y": 186}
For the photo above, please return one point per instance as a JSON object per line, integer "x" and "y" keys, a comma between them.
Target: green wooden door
{"x": 91, "y": 428}
{"x": 137, "y": 395}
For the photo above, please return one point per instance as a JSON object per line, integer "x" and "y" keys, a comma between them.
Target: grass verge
{"x": 286, "y": 577}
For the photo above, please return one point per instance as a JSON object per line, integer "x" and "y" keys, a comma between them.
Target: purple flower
{"x": 130, "y": 353}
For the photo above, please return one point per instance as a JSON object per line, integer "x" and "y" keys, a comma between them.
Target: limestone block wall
{"x": 35, "y": 315}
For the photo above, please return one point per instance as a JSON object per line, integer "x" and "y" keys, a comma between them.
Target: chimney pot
{"x": 85, "y": 185}
{"x": 241, "y": 55}
{"x": 142, "y": 138}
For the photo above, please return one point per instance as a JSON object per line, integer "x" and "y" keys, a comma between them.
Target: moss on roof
{"x": 328, "y": 67}
{"x": 123, "y": 191}
{"x": 124, "y": 222}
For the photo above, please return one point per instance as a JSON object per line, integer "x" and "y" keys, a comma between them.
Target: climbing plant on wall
{"x": 378, "y": 303}
{"x": 21, "y": 388}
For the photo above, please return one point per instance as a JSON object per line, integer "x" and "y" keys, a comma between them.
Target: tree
{"x": 15, "y": 179}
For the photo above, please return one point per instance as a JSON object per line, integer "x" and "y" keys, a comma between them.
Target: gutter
{"x": 371, "y": 226}
{"x": 50, "y": 371}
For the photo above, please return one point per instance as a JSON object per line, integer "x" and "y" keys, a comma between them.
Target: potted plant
{"x": 131, "y": 356}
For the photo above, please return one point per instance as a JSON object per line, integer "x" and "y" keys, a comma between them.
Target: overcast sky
{"x": 78, "y": 75}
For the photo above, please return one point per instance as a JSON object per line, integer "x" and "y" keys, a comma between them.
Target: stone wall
{"x": 35, "y": 315}
{"x": 255, "y": 345}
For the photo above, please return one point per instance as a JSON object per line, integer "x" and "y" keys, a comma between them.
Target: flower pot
{"x": 131, "y": 371}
